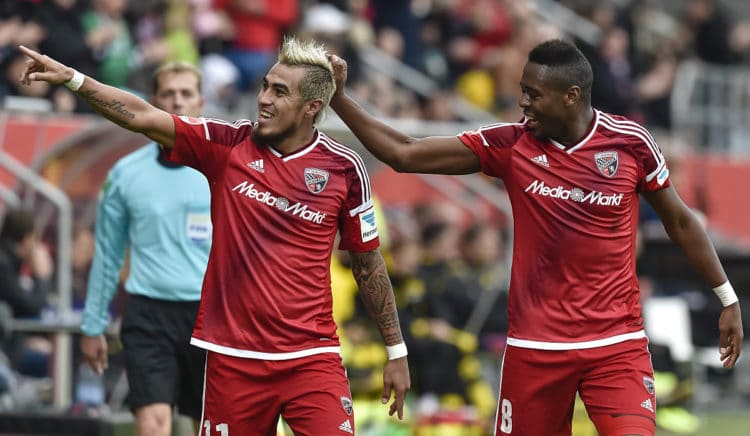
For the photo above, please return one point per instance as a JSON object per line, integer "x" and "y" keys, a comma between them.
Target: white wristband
{"x": 396, "y": 351}
{"x": 726, "y": 294}
{"x": 75, "y": 83}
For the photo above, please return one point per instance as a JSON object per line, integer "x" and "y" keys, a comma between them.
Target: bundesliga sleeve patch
{"x": 367, "y": 226}
{"x": 662, "y": 177}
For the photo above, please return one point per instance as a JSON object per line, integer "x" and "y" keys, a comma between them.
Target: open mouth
{"x": 264, "y": 116}
{"x": 531, "y": 121}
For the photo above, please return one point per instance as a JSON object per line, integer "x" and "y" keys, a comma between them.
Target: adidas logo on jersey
{"x": 648, "y": 405}
{"x": 541, "y": 160}
{"x": 257, "y": 165}
{"x": 345, "y": 426}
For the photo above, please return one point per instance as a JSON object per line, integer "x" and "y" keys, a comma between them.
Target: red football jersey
{"x": 267, "y": 289}
{"x": 575, "y": 213}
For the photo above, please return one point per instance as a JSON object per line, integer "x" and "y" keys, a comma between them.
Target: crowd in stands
{"x": 449, "y": 276}
{"x": 445, "y": 271}
{"x": 473, "y": 49}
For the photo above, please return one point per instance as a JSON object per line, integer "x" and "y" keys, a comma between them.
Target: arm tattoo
{"x": 115, "y": 110}
{"x": 377, "y": 294}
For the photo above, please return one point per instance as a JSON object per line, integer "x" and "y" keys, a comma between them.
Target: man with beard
{"x": 280, "y": 190}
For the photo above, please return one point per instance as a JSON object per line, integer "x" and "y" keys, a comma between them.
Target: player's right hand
{"x": 43, "y": 68}
{"x": 94, "y": 349}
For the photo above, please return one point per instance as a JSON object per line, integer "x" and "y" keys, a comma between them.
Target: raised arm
{"x": 116, "y": 105}
{"x": 377, "y": 295}
{"x": 434, "y": 154}
{"x": 684, "y": 228}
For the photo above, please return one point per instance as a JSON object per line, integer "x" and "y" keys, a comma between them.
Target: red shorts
{"x": 246, "y": 396}
{"x": 615, "y": 382}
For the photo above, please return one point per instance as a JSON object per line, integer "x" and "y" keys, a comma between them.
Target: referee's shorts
{"x": 161, "y": 365}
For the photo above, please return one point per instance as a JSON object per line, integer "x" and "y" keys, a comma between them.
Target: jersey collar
{"x": 582, "y": 142}
{"x": 299, "y": 153}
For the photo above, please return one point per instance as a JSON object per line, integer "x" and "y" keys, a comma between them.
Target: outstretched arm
{"x": 434, "y": 154}
{"x": 377, "y": 295}
{"x": 116, "y": 105}
{"x": 685, "y": 230}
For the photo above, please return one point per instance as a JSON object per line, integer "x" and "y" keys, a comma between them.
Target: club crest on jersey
{"x": 315, "y": 179}
{"x": 606, "y": 161}
{"x": 346, "y": 403}
{"x": 648, "y": 383}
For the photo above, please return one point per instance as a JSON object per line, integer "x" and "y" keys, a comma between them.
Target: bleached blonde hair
{"x": 318, "y": 82}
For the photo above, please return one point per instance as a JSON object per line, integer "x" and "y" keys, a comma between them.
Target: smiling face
{"x": 545, "y": 102}
{"x": 282, "y": 110}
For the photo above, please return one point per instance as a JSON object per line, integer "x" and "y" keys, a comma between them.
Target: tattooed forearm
{"x": 377, "y": 294}
{"x": 114, "y": 110}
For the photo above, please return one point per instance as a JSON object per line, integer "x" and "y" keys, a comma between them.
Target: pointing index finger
{"x": 30, "y": 53}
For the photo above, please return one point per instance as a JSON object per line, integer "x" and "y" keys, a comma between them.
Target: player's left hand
{"x": 730, "y": 334}
{"x": 396, "y": 378}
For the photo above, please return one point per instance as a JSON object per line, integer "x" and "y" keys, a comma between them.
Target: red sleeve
{"x": 357, "y": 226}
{"x": 652, "y": 167}
{"x": 493, "y": 145}
{"x": 205, "y": 143}
{"x": 653, "y": 173}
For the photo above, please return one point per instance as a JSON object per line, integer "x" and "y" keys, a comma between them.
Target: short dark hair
{"x": 568, "y": 65}
{"x": 18, "y": 224}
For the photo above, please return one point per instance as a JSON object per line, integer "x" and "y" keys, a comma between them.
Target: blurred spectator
{"x": 439, "y": 107}
{"x": 20, "y": 246}
{"x": 612, "y": 91}
{"x": 397, "y": 15}
{"x": 108, "y": 34}
{"x": 64, "y": 34}
{"x": 341, "y": 33}
{"x": 162, "y": 33}
{"x": 16, "y": 26}
{"x": 25, "y": 294}
{"x": 64, "y": 39}
{"x": 485, "y": 276}
{"x": 481, "y": 28}
{"x": 258, "y": 28}
{"x": 14, "y": 66}
{"x": 177, "y": 34}
{"x": 711, "y": 28}
{"x": 432, "y": 315}
{"x": 150, "y": 47}
{"x": 219, "y": 84}
{"x": 81, "y": 256}
{"x": 657, "y": 42}
{"x": 210, "y": 27}
{"x": 511, "y": 57}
